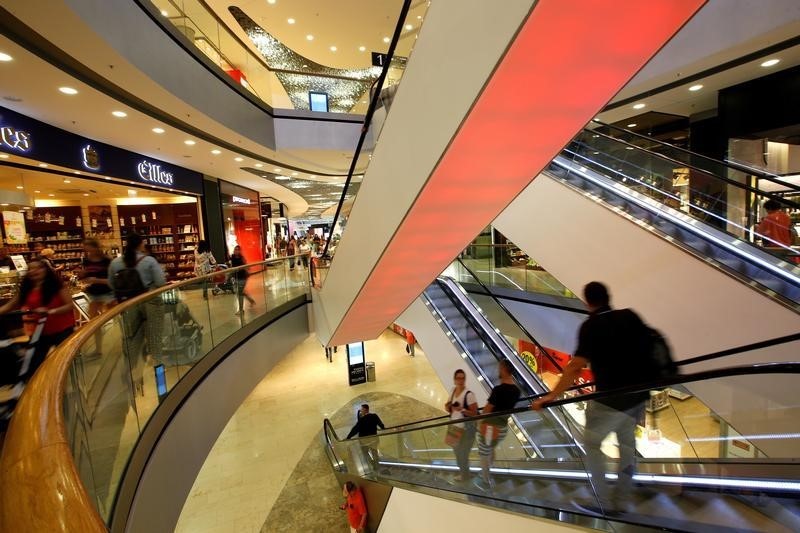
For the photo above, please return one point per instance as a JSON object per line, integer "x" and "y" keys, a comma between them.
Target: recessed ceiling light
{"x": 259, "y": 165}
{"x": 216, "y": 152}
{"x": 119, "y": 114}
{"x": 282, "y": 178}
{"x": 290, "y": 21}
{"x": 20, "y": 187}
{"x": 276, "y": 169}
{"x": 158, "y": 130}
{"x": 164, "y": 13}
{"x": 419, "y": 17}
{"x": 639, "y": 105}
{"x": 697, "y": 87}
{"x": 5, "y": 57}
{"x": 238, "y": 159}
{"x": 86, "y": 194}
{"x": 37, "y": 192}
{"x": 309, "y": 37}
{"x": 132, "y": 192}
{"x": 770, "y": 62}
{"x": 271, "y": 2}
{"x": 386, "y": 40}
{"x": 43, "y": 165}
{"x": 295, "y": 174}
{"x": 189, "y": 142}
{"x": 409, "y": 27}
{"x": 68, "y": 90}
{"x": 67, "y": 181}
{"x": 632, "y": 125}
{"x": 3, "y": 156}
{"x": 629, "y": 147}
{"x": 333, "y": 48}
{"x": 51, "y": 194}
{"x": 362, "y": 48}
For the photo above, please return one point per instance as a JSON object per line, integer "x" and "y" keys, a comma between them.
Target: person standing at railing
{"x": 493, "y": 430}
{"x": 461, "y": 436}
{"x": 612, "y": 341}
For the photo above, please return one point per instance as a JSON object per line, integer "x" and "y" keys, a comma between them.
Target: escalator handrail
{"x": 746, "y": 370}
{"x": 736, "y": 166}
{"x": 724, "y": 179}
{"x": 510, "y": 315}
{"x": 373, "y": 105}
{"x": 685, "y": 362}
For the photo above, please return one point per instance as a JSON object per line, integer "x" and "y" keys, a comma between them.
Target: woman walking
{"x": 237, "y": 260}
{"x": 95, "y": 275}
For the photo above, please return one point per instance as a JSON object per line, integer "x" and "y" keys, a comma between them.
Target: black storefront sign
{"x": 356, "y": 363}
{"x": 27, "y": 137}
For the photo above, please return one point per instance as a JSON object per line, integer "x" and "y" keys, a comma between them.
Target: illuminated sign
{"x": 91, "y": 159}
{"x": 15, "y": 139}
{"x": 152, "y": 172}
{"x": 240, "y": 200}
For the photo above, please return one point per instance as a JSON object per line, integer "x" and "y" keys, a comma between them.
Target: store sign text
{"x": 15, "y": 139}
{"x": 240, "y": 200}
{"x": 152, "y": 172}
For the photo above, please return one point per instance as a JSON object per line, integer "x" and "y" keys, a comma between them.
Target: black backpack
{"x": 128, "y": 283}
{"x": 657, "y": 356}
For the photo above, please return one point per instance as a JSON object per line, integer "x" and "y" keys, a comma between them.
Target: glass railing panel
{"x": 120, "y": 376}
{"x": 724, "y": 200}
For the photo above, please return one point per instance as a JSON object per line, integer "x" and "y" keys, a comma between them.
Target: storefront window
{"x": 242, "y": 216}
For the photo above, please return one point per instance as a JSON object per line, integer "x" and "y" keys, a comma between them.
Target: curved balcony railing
{"x": 81, "y": 416}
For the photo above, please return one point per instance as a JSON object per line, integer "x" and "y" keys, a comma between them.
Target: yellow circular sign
{"x": 531, "y": 360}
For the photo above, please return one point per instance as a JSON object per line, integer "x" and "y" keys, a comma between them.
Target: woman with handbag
{"x": 461, "y": 436}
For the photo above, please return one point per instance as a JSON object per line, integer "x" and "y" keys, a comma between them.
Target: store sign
{"x": 91, "y": 159}
{"x": 153, "y": 173}
{"x": 356, "y": 365}
{"x": 14, "y": 225}
{"x": 240, "y": 200}
{"x": 15, "y": 139}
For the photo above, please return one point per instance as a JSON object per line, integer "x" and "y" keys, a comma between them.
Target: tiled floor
{"x": 260, "y": 447}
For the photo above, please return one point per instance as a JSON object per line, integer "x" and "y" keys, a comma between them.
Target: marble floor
{"x": 262, "y": 445}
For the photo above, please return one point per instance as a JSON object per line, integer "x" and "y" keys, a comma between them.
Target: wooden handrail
{"x": 40, "y": 487}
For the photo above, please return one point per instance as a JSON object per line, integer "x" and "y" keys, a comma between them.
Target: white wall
{"x": 411, "y": 511}
{"x": 442, "y": 354}
{"x": 459, "y": 45}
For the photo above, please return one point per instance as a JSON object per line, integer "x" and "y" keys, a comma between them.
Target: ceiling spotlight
{"x": 295, "y": 174}
{"x": 86, "y": 194}
{"x": 276, "y": 169}
{"x": 51, "y": 194}
{"x": 216, "y": 152}
{"x": 770, "y": 63}
{"x": 37, "y": 192}
{"x": 386, "y": 40}
{"x": 43, "y": 165}
{"x": 632, "y": 125}
{"x": 68, "y": 90}
{"x": 409, "y": 27}
{"x": 189, "y": 142}
{"x": 3, "y": 156}
{"x": 697, "y": 87}
{"x": 259, "y": 165}
{"x": 333, "y": 48}
{"x": 282, "y": 178}
{"x": 419, "y": 17}
{"x": 67, "y": 180}
{"x": 5, "y": 57}
{"x": 362, "y": 48}
{"x": 309, "y": 37}
{"x": 639, "y": 106}
{"x": 77, "y": 172}
{"x": 164, "y": 13}
{"x": 132, "y": 192}
{"x": 158, "y": 130}
{"x": 271, "y": 2}
{"x": 291, "y": 21}
{"x": 238, "y": 159}
{"x": 119, "y": 114}
{"x": 20, "y": 187}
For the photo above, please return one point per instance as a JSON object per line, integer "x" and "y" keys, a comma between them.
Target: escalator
{"x": 694, "y": 472}
{"x": 483, "y": 346}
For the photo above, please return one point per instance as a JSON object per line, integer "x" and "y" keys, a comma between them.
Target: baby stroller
{"x": 183, "y": 335}
{"x": 16, "y": 354}
{"x": 223, "y": 283}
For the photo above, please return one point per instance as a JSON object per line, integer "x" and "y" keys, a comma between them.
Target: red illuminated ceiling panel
{"x": 567, "y": 62}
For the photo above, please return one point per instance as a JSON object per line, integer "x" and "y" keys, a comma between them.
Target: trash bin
{"x": 370, "y": 370}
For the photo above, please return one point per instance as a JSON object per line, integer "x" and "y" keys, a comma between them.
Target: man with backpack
{"x": 622, "y": 352}
{"x": 130, "y": 275}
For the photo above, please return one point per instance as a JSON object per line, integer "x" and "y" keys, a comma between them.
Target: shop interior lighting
{"x": 5, "y": 57}
{"x": 291, "y": 20}
{"x": 68, "y": 90}
{"x": 216, "y": 152}
{"x": 362, "y": 48}
{"x": 158, "y": 130}
{"x": 67, "y": 180}
{"x": 51, "y": 194}
{"x": 309, "y": 37}
{"x": 282, "y": 178}
{"x": 333, "y": 48}
{"x": 20, "y": 187}
{"x": 119, "y": 114}
{"x": 770, "y": 63}
{"x": 189, "y": 142}
{"x": 695, "y": 88}
{"x": 386, "y": 40}
{"x": 238, "y": 159}
{"x": 259, "y": 165}
{"x": 132, "y": 192}
{"x": 409, "y": 27}
{"x": 632, "y": 125}
{"x": 276, "y": 169}
{"x": 3, "y": 156}
{"x": 640, "y": 105}
{"x": 86, "y": 194}
{"x": 295, "y": 174}
{"x": 37, "y": 192}
{"x": 43, "y": 165}
{"x": 77, "y": 172}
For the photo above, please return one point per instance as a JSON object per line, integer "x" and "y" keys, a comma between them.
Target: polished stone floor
{"x": 264, "y": 455}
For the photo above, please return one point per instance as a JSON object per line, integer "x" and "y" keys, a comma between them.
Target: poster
{"x": 14, "y": 225}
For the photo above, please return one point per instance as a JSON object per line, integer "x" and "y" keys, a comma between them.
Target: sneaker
{"x": 483, "y": 485}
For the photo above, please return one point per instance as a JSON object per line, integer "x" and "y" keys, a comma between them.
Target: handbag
{"x": 453, "y": 436}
